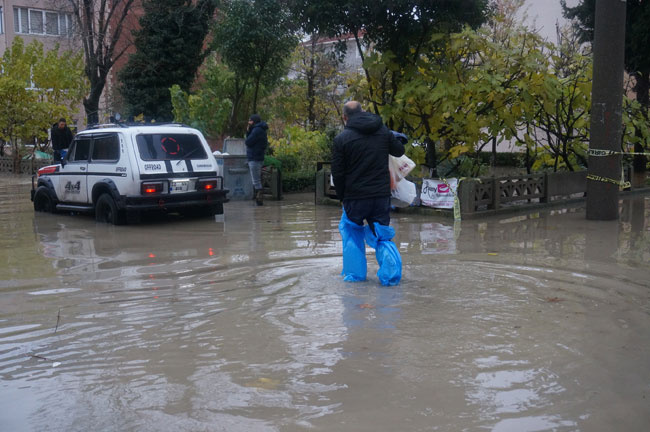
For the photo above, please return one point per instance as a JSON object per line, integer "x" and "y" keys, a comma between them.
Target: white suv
{"x": 118, "y": 172}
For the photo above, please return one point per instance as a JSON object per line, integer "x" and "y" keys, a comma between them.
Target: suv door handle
{"x": 82, "y": 168}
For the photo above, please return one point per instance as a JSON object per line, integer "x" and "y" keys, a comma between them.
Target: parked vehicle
{"x": 121, "y": 172}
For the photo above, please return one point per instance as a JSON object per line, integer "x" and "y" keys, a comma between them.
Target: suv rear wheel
{"x": 106, "y": 211}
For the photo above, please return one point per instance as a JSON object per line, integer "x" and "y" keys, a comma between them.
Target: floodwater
{"x": 538, "y": 322}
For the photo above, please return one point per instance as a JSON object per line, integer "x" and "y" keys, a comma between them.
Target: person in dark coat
{"x": 360, "y": 165}
{"x": 362, "y": 183}
{"x": 61, "y": 138}
{"x": 256, "y": 144}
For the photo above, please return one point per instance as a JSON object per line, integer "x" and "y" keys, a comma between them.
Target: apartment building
{"x": 49, "y": 21}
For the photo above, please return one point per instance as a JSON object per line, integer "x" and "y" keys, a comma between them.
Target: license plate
{"x": 179, "y": 186}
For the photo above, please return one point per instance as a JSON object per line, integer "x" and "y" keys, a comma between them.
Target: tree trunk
{"x": 528, "y": 164}
{"x": 367, "y": 73}
{"x": 237, "y": 98}
{"x": 257, "y": 89}
{"x": 642, "y": 89}
{"x": 431, "y": 157}
{"x": 91, "y": 106}
{"x": 311, "y": 94}
{"x": 258, "y": 80}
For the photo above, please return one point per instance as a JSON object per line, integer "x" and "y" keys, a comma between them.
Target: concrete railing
{"x": 7, "y": 165}
{"x": 489, "y": 194}
{"x": 493, "y": 193}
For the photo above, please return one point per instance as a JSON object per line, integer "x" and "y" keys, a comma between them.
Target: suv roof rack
{"x": 103, "y": 125}
{"x": 127, "y": 125}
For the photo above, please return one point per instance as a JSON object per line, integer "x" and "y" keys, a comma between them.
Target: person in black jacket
{"x": 256, "y": 143}
{"x": 362, "y": 183}
{"x": 61, "y": 138}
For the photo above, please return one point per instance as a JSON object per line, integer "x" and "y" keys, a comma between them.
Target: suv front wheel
{"x": 106, "y": 211}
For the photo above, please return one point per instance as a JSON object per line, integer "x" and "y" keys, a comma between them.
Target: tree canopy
{"x": 255, "y": 39}
{"x": 169, "y": 52}
{"x": 210, "y": 106}
{"x": 99, "y": 24}
{"x": 36, "y": 88}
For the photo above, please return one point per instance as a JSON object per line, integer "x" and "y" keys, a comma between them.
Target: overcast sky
{"x": 545, "y": 13}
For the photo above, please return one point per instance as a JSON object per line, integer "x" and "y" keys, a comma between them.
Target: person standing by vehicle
{"x": 61, "y": 139}
{"x": 256, "y": 144}
{"x": 362, "y": 183}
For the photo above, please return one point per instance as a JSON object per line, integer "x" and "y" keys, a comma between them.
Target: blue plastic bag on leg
{"x": 355, "y": 266}
{"x": 388, "y": 257}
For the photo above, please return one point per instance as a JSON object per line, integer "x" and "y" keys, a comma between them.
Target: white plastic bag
{"x": 404, "y": 193}
{"x": 401, "y": 166}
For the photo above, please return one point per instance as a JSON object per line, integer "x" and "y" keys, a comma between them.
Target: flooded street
{"x": 535, "y": 322}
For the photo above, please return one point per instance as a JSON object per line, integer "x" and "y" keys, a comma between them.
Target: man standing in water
{"x": 256, "y": 144}
{"x": 362, "y": 183}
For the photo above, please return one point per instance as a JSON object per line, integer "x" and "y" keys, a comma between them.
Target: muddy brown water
{"x": 536, "y": 322}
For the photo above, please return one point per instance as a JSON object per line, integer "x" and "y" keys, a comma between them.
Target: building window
{"x": 41, "y": 22}
{"x": 1, "y": 28}
{"x": 35, "y": 22}
{"x": 52, "y": 23}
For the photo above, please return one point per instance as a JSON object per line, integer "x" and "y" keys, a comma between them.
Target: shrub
{"x": 289, "y": 162}
{"x": 298, "y": 181}
{"x": 299, "y": 150}
{"x": 274, "y": 162}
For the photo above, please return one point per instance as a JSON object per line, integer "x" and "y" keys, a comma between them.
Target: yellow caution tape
{"x": 621, "y": 184}
{"x": 597, "y": 152}
{"x": 457, "y": 214}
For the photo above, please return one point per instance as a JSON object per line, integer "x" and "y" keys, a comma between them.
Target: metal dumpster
{"x": 234, "y": 168}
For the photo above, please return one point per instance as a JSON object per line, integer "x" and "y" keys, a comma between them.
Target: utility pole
{"x": 606, "y": 106}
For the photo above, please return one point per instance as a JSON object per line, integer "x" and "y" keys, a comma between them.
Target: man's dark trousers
{"x": 371, "y": 209}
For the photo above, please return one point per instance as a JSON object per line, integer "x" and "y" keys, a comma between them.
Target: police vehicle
{"x": 121, "y": 172}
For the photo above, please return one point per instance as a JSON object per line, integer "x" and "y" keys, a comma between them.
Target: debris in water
{"x": 264, "y": 383}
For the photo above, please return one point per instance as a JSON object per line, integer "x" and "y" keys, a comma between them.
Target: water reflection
{"x": 531, "y": 322}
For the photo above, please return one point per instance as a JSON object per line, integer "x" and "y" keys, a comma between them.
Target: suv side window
{"x": 80, "y": 150}
{"x": 106, "y": 148}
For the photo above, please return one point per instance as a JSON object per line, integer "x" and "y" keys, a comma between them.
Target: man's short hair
{"x": 351, "y": 107}
{"x": 62, "y": 120}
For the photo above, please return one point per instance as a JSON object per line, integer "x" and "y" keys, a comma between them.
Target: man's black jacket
{"x": 360, "y": 158}
{"x": 256, "y": 142}
{"x": 61, "y": 138}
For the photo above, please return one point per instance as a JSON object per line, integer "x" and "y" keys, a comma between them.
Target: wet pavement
{"x": 538, "y": 322}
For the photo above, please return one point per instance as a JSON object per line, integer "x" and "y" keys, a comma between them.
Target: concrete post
{"x": 320, "y": 186}
{"x": 606, "y": 106}
{"x": 466, "y": 193}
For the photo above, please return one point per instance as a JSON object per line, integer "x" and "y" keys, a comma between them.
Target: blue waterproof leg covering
{"x": 388, "y": 257}
{"x": 354, "y": 250}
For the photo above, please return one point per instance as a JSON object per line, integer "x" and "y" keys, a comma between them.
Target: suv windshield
{"x": 170, "y": 147}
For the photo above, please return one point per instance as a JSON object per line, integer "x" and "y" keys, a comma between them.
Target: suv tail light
{"x": 48, "y": 170}
{"x": 150, "y": 188}
{"x": 206, "y": 184}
